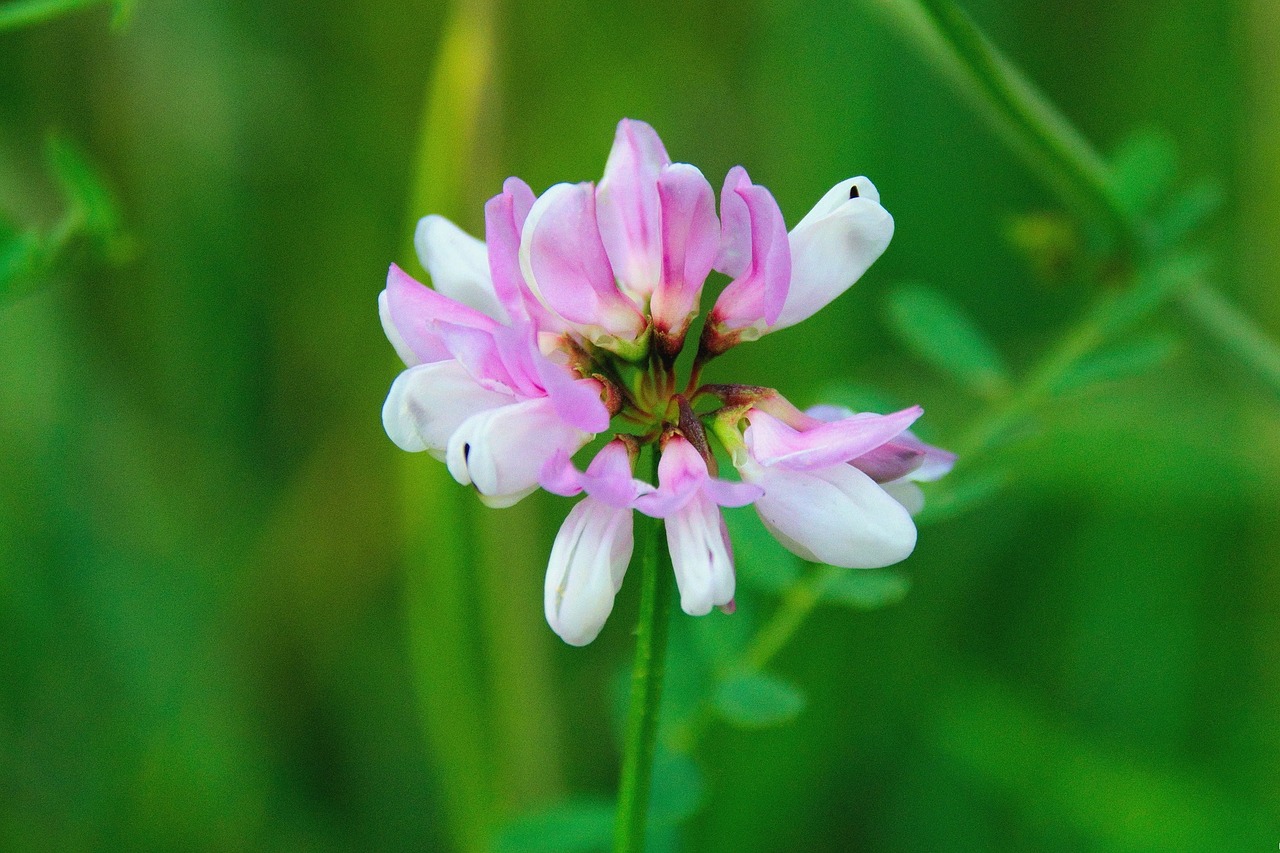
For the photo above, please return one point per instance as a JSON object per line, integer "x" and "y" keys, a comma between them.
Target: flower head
{"x": 568, "y": 319}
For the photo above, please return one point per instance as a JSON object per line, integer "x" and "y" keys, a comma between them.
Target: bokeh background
{"x": 211, "y": 637}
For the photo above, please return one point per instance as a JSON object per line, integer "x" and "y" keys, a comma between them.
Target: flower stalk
{"x": 647, "y": 671}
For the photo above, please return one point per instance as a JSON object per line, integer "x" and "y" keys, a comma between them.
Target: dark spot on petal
{"x": 466, "y": 453}
{"x": 853, "y": 191}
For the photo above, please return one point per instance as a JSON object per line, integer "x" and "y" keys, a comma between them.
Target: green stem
{"x": 1034, "y": 127}
{"x": 1028, "y": 121}
{"x": 646, "y": 685}
{"x": 1235, "y": 332}
{"x": 797, "y": 604}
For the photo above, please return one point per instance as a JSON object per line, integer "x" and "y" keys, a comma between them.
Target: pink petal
{"x": 628, "y": 208}
{"x": 607, "y": 479}
{"x": 690, "y": 240}
{"x": 416, "y": 312}
{"x": 565, "y": 264}
{"x": 681, "y": 473}
{"x": 504, "y": 218}
{"x": 576, "y": 400}
{"x": 772, "y": 442}
{"x": 755, "y": 298}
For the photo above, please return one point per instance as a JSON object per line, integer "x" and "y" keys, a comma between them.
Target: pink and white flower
{"x": 594, "y": 545}
{"x": 574, "y": 309}
{"x": 689, "y": 499}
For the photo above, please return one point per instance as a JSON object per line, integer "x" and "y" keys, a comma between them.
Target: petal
{"x": 830, "y": 250}
{"x": 681, "y": 474}
{"x": 428, "y": 402}
{"x": 565, "y": 265}
{"x": 700, "y": 556}
{"x": 504, "y": 218}
{"x": 690, "y": 241}
{"x": 836, "y": 515}
{"x": 415, "y": 312}
{"x": 577, "y": 400}
{"x": 772, "y": 442}
{"x": 585, "y": 569}
{"x": 608, "y": 478}
{"x": 402, "y": 348}
{"x": 754, "y": 299}
{"x": 838, "y": 195}
{"x": 628, "y": 210}
{"x": 906, "y": 493}
{"x": 731, "y": 494}
{"x": 502, "y": 451}
{"x": 458, "y": 265}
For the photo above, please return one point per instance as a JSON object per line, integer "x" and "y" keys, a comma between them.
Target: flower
{"x": 567, "y": 320}
{"x": 689, "y": 498}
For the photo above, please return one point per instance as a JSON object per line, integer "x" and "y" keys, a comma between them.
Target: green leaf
{"x": 761, "y": 561}
{"x": 754, "y": 700}
{"x": 582, "y": 825}
{"x": 1189, "y": 210}
{"x": 866, "y": 589}
{"x": 939, "y": 332}
{"x": 92, "y": 204}
{"x": 677, "y": 791}
{"x": 1119, "y": 362}
{"x": 1143, "y": 169}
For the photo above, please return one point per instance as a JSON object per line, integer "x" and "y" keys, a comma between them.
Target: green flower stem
{"x": 647, "y": 671}
{"x": 1034, "y": 127}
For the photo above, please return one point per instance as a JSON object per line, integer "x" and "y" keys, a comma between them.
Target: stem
{"x": 795, "y": 608}
{"x": 646, "y": 685}
{"x": 1235, "y": 332}
{"x": 1034, "y": 127}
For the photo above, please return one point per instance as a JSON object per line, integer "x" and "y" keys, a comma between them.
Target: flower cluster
{"x": 570, "y": 317}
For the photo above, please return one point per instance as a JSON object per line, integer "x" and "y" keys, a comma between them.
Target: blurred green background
{"x": 204, "y": 641}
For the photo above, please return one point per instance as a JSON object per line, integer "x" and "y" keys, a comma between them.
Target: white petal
{"x": 907, "y": 493}
{"x": 700, "y": 557}
{"x": 837, "y": 196}
{"x": 406, "y": 353}
{"x": 585, "y": 570}
{"x": 830, "y": 252}
{"x": 835, "y": 515}
{"x": 502, "y": 451}
{"x": 458, "y": 264}
{"x": 428, "y": 402}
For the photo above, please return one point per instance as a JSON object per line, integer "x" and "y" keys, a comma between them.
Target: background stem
{"x": 646, "y": 683}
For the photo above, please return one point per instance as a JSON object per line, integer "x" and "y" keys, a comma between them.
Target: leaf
{"x": 86, "y": 192}
{"x": 1118, "y": 362}
{"x": 754, "y": 700}
{"x": 583, "y": 825}
{"x": 762, "y": 563}
{"x": 939, "y": 332}
{"x": 866, "y": 589}
{"x": 1189, "y": 210}
{"x": 1143, "y": 169}
{"x": 677, "y": 791}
